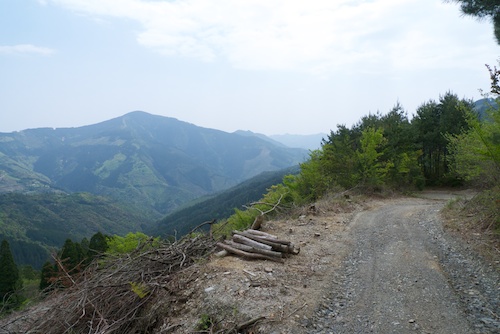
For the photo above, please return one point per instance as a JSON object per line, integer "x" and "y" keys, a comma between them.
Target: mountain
{"x": 308, "y": 142}
{"x": 221, "y": 205}
{"x": 153, "y": 163}
{"x": 261, "y": 136}
{"x": 482, "y": 105}
{"x": 36, "y": 224}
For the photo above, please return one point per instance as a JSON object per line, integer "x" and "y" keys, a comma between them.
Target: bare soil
{"x": 365, "y": 266}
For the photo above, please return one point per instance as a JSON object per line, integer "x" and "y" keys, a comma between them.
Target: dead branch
{"x": 249, "y": 323}
{"x": 117, "y": 294}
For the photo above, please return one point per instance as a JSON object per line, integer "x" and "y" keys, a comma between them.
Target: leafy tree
{"x": 371, "y": 171}
{"x": 477, "y": 151}
{"x": 314, "y": 179}
{"x": 129, "y": 243}
{"x": 483, "y": 9}
{"x": 10, "y": 281}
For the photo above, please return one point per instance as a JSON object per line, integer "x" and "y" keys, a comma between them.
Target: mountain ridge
{"x": 146, "y": 160}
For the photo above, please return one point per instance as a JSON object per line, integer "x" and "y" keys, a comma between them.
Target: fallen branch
{"x": 249, "y": 323}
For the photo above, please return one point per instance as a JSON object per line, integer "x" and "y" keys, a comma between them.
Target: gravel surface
{"x": 366, "y": 265}
{"x": 403, "y": 274}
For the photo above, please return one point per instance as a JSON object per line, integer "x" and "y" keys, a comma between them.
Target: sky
{"x": 268, "y": 66}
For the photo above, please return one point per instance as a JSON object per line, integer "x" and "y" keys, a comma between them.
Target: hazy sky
{"x": 269, "y": 66}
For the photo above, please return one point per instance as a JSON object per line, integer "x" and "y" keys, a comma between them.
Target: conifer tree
{"x": 98, "y": 245}
{"x": 9, "y": 277}
{"x": 483, "y": 9}
{"x": 47, "y": 275}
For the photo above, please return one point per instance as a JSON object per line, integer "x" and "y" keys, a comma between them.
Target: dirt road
{"x": 403, "y": 274}
{"x": 366, "y": 265}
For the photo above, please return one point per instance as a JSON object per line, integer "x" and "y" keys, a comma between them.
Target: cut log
{"x": 257, "y": 223}
{"x": 247, "y": 254}
{"x": 274, "y": 245}
{"x": 222, "y": 253}
{"x": 251, "y": 242}
{"x": 249, "y": 234}
{"x": 260, "y": 233}
{"x": 251, "y": 249}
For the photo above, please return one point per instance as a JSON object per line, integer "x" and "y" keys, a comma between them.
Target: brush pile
{"x": 126, "y": 294}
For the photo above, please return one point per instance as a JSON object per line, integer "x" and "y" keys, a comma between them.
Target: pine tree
{"x": 483, "y": 9}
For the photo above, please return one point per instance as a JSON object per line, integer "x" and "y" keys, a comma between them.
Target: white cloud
{"x": 319, "y": 36}
{"x": 25, "y": 49}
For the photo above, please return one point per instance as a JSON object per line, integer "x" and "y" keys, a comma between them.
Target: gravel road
{"x": 404, "y": 274}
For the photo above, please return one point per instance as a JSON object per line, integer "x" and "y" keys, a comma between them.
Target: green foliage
{"x": 379, "y": 151}
{"x": 476, "y": 151}
{"x": 314, "y": 178}
{"x": 154, "y": 164}
{"x": 240, "y": 220}
{"x": 27, "y": 272}
{"x": 10, "y": 281}
{"x": 277, "y": 198}
{"x": 483, "y": 9}
{"x": 205, "y": 323}
{"x": 72, "y": 256}
{"x": 434, "y": 123}
{"x": 36, "y": 224}
{"x": 98, "y": 245}
{"x": 140, "y": 289}
{"x": 220, "y": 206}
{"x": 371, "y": 171}
{"x": 130, "y": 242}
{"x": 47, "y": 274}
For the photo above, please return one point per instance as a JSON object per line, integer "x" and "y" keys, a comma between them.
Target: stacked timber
{"x": 254, "y": 244}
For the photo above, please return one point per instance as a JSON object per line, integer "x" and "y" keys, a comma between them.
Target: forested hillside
{"x": 153, "y": 163}
{"x": 37, "y": 224}
{"x": 446, "y": 143}
{"x": 220, "y": 206}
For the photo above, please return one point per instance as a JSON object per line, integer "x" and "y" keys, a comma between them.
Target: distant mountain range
{"x": 154, "y": 163}
{"x": 308, "y": 142}
{"x": 483, "y": 105}
{"x": 119, "y": 175}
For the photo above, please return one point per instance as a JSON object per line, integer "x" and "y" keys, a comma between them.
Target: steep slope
{"x": 221, "y": 205}
{"x": 152, "y": 162}
{"x": 38, "y": 223}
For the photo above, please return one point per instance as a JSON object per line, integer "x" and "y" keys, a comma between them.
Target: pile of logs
{"x": 254, "y": 244}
